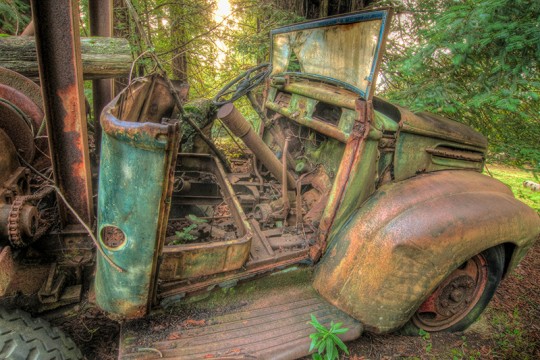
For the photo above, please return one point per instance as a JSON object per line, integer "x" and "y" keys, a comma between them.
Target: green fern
{"x": 325, "y": 341}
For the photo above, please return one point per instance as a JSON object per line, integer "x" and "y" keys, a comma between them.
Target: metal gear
{"x": 14, "y": 220}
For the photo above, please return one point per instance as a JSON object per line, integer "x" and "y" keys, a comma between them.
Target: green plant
{"x": 511, "y": 335}
{"x": 14, "y": 16}
{"x": 326, "y": 341}
{"x": 473, "y": 62}
{"x": 185, "y": 234}
{"x": 427, "y": 338}
{"x": 464, "y": 352}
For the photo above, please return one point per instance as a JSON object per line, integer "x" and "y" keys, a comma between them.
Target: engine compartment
{"x": 246, "y": 219}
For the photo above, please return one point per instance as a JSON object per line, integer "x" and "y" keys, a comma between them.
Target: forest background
{"x": 474, "y": 61}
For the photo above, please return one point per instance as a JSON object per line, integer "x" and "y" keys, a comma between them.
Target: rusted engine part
{"x": 23, "y": 221}
{"x": 272, "y": 245}
{"x": 21, "y": 121}
{"x": 21, "y": 115}
{"x": 28, "y": 282}
{"x": 306, "y": 206}
{"x": 18, "y": 220}
{"x": 57, "y": 290}
{"x": 232, "y": 118}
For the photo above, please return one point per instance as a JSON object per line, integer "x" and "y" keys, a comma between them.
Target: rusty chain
{"x": 14, "y": 233}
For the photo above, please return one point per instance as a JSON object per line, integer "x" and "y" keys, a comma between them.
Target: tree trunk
{"x": 178, "y": 39}
{"x": 101, "y": 57}
{"x": 121, "y": 28}
{"x": 323, "y": 10}
{"x": 358, "y": 5}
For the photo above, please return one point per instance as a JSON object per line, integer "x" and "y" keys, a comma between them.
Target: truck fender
{"x": 410, "y": 235}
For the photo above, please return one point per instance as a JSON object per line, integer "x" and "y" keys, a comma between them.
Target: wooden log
{"x": 102, "y": 57}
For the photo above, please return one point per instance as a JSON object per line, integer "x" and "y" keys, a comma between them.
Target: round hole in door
{"x": 112, "y": 236}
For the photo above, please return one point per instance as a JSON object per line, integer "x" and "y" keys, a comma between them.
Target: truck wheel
{"x": 23, "y": 337}
{"x": 460, "y": 299}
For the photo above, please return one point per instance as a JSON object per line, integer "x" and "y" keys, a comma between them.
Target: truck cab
{"x": 368, "y": 213}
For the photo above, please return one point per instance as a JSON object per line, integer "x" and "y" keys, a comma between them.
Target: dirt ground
{"x": 509, "y": 329}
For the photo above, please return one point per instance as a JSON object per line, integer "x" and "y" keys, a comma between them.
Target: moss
{"x": 293, "y": 279}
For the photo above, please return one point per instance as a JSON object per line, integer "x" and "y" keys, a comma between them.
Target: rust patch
{"x": 72, "y": 114}
{"x": 6, "y": 269}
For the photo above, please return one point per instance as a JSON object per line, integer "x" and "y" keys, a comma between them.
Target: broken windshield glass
{"x": 345, "y": 49}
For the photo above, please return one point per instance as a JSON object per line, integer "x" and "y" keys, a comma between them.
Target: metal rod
{"x": 284, "y": 192}
{"x": 60, "y": 71}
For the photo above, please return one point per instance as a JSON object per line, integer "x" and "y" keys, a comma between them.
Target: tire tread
{"x": 23, "y": 337}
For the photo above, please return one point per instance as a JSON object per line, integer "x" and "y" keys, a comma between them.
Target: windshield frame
{"x": 383, "y": 14}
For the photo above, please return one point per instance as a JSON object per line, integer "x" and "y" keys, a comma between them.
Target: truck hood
{"x": 427, "y": 124}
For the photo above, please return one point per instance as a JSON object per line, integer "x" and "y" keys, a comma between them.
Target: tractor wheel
{"x": 460, "y": 299}
{"x": 23, "y": 337}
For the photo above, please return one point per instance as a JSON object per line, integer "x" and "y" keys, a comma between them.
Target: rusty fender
{"x": 410, "y": 235}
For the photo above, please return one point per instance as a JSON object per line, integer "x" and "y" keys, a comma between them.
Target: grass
{"x": 514, "y": 178}
{"x": 510, "y": 336}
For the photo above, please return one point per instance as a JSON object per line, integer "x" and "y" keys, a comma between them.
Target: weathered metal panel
{"x": 442, "y": 128}
{"x": 410, "y": 235}
{"x": 200, "y": 259}
{"x": 428, "y": 142}
{"x": 133, "y": 205}
{"x": 360, "y": 185}
{"x": 351, "y": 157}
{"x": 417, "y": 154}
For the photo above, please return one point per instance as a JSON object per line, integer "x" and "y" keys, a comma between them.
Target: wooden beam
{"x": 102, "y": 57}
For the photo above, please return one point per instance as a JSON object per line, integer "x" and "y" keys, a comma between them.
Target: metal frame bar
{"x": 60, "y": 73}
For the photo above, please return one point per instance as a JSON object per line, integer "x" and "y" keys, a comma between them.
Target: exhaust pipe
{"x": 240, "y": 127}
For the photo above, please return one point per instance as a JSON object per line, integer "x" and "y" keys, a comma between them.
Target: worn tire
{"x": 23, "y": 337}
{"x": 494, "y": 259}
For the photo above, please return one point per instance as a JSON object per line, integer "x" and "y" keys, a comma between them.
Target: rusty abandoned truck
{"x": 350, "y": 208}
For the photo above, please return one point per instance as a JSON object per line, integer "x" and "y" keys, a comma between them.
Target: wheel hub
{"x": 454, "y": 298}
{"x": 456, "y": 295}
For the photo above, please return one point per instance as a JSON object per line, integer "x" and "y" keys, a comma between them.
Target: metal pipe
{"x": 284, "y": 193}
{"x": 240, "y": 127}
{"x": 101, "y": 12}
{"x": 60, "y": 71}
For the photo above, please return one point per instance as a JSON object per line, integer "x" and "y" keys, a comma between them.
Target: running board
{"x": 270, "y": 323}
